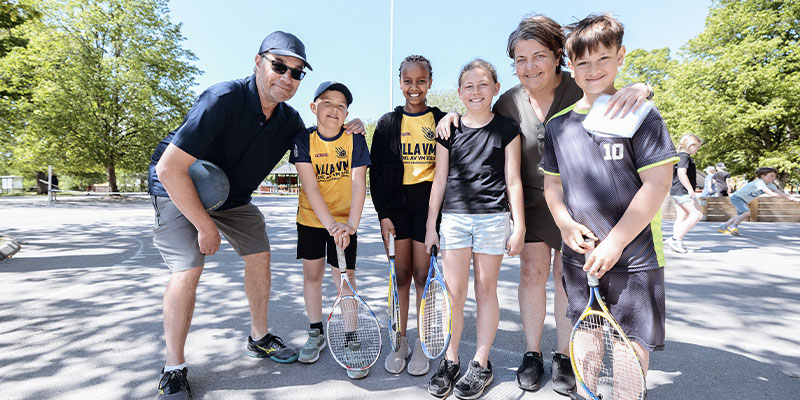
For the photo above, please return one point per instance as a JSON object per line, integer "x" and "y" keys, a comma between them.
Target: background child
{"x": 609, "y": 189}
{"x": 403, "y": 160}
{"x": 709, "y": 188}
{"x": 477, "y": 175}
{"x": 332, "y": 168}
{"x": 763, "y": 184}
{"x": 684, "y": 181}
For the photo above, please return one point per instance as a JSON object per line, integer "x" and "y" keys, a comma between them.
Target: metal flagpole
{"x": 391, "y": 52}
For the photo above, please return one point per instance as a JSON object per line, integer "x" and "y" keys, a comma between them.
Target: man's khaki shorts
{"x": 176, "y": 238}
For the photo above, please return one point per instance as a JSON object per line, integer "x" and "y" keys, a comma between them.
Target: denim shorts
{"x": 484, "y": 233}
{"x": 682, "y": 198}
{"x": 740, "y": 204}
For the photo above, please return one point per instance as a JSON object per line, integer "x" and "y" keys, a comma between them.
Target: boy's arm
{"x": 513, "y": 153}
{"x": 656, "y": 182}
{"x": 308, "y": 178}
{"x": 779, "y": 193}
{"x": 437, "y": 195}
{"x": 359, "y": 193}
{"x": 572, "y": 233}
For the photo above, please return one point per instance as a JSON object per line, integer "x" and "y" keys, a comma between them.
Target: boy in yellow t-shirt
{"x": 332, "y": 168}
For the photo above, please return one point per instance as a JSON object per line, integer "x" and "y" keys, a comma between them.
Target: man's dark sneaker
{"x": 474, "y": 381}
{"x": 563, "y": 377}
{"x": 530, "y": 371}
{"x": 174, "y": 386}
{"x": 271, "y": 346}
{"x": 441, "y": 382}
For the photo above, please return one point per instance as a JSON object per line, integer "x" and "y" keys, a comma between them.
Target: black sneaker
{"x": 563, "y": 376}
{"x": 271, "y": 346}
{"x": 576, "y": 396}
{"x": 174, "y": 386}
{"x": 441, "y": 382}
{"x": 530, "y": 371}
{"x": 474, "y": 382}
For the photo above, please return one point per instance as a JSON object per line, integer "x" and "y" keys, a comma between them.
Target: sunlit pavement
{"x": 80, "y": 313}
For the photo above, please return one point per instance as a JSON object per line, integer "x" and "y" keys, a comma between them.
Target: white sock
{"x": 168, "y": 368}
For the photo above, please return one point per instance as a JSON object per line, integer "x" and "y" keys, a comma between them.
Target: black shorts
{"x": 313, "y": 243}
{"x": 539, "y": 223}
{"x": 409, "y": 222}
{"x": 635, "y": 299}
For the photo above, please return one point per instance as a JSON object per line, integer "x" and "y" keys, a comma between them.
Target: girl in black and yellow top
{"x": 403, "y": 157}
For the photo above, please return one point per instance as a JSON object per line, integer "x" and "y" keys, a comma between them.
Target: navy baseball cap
{"x": 284, "y": 44}
{"x": 333, "y": 85}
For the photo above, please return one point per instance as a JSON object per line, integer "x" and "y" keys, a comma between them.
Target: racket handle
{"x": 434, "y": 251}
{"x": 593, "y": 281}
{"x": 342, "y": 261}
{"x": 391, "y": 245}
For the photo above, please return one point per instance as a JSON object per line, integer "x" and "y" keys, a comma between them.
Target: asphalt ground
{"x": 80, "y": 313}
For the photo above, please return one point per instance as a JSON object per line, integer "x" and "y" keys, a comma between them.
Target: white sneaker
{"x": 676, "y": 245}
{"x": 395, "y": 361}
{"x": 419, "y": 364}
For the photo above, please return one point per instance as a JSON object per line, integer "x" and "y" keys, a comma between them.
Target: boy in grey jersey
{"x": 612, "y": 188}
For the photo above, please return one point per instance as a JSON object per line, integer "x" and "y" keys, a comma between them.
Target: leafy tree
{"x": 447, "y": 100}
{"x": 737, "y": 85}
{"x": 14, "y": 83}
{"x": 112, "y": 79}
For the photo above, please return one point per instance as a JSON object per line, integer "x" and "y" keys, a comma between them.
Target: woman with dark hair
{"x": 536, "y": 47}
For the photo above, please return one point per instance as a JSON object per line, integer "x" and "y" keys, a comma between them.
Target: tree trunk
{"x": 111, "y": 173}
{"x": 41, "y": 188}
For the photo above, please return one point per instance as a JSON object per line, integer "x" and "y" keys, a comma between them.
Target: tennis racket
{"x": 434, "y": 312}
{"x": 394, "y": 305}
{"x": 605, "y": 363}
{"x": 353, "y": 332}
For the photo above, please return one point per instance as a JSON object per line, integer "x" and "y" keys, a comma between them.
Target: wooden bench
{"x": 762, "y": 209}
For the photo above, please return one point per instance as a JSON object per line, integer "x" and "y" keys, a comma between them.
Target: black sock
{"x": 317, "y": 325}
{"x": 350, "y": 337}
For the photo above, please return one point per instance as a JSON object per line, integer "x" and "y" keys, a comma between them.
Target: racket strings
{"x": 605, "y": 362}
{"x": 353, "y": 334}
{"x": 435, "y": 324}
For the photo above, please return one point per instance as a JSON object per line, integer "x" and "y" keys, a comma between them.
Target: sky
{"x": 349, "y": 41}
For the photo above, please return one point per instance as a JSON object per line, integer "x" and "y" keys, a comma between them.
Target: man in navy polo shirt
{"x": 245, "y": 127}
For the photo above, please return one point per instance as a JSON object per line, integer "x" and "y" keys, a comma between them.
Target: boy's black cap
{"x": 284, "y": 44}
{"x": 333, "y": 85}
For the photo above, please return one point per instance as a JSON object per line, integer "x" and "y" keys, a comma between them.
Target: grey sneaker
{"x": 314, "y": 345}
{"x": 357, "y": 374}
{"x": 395, "y": 361}
{"x": 474, "y": 381}
{"x": 419, "y": 364}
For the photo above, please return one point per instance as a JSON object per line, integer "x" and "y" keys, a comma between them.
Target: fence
{"x": 762, "y": 209}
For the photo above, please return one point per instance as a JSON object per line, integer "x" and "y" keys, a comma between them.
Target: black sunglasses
{"x": 281, "y": 68}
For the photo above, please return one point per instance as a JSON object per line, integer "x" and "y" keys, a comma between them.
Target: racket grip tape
{"x": 434, "y": 251}
{"x": 391, "y": 245}
{"x": 592, "y": 280}
{"x": 341, "y": 258}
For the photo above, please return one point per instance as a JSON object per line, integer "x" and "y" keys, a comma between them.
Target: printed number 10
{"x": 613, "y": 151}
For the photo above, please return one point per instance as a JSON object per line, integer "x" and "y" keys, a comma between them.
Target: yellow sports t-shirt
{"x": 418, "y": 143}
{"x": 332, "y": 160}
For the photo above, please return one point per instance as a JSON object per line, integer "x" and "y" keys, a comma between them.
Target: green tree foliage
{"x": 14, "y": 87}
{"x": 111, "y": 79}
{"x": 737, "y": 85}
{"x": 447, "y": 100}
